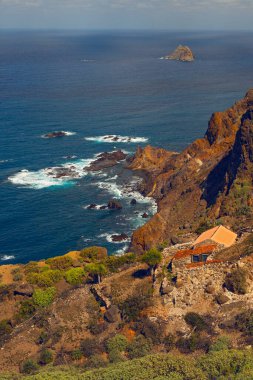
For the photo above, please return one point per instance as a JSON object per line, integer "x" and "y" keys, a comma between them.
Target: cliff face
{"x": 212, "y": 178}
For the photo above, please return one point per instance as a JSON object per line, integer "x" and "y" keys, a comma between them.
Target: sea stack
{"x": 182, "y": 53}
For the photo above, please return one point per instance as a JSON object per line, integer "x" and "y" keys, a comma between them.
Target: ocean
{"x": 94, "y": 84}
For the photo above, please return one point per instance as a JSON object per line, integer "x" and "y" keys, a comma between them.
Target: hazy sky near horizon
{"x": 127, "y": 14}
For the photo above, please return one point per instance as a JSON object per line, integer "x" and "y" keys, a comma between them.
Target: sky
{"x": 127, "y": 14}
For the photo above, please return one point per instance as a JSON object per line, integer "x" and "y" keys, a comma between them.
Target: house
{"x": 205, "y": 245}
{"x": 219, "y": 235}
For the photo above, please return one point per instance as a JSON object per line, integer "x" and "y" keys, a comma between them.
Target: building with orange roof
{"x": 219, "y": 235}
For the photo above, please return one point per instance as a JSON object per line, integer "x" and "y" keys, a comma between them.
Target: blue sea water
{"x": 95, "y": 84}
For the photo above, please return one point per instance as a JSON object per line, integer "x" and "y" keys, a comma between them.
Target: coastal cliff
{"x": 210, "y": 180}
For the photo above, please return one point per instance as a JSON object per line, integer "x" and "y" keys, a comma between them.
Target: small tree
{"x": 152, "y": 258}
{"x": 96, "y": 270}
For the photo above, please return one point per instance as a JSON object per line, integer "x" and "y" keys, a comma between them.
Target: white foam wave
{"x": 108, "y": 237}
{"x": 117, "y": 138}
{"x": 3, "y": 161}
{"x": 63, "y": 175}
{"x": 7, "y": 257}
{"x": 122, "y": 250}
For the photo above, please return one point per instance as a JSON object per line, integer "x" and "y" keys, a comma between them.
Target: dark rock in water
{"x": 114, "y": 204}
{"x": 92, "y": 206}
{"x": 145, "y": 215}
{"x": 25, "y": 290}
{"x": 133, "y": 202}
{"x": 182, "y": 53}
{"x": 107, "y": 160}
{"x": 103, "y": 207}
{"x": 119, "y": 238}
{"x": 112, "y": 315}
{"x": 55, "y": 134}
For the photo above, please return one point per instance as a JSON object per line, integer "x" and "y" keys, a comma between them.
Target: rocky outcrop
{"x": 114, "y": 204}
{"x": 209, "y": 179}
{"x": 55, "y": 134}
{"x": 107, "y": 160}
{"x": 181, "y": 53}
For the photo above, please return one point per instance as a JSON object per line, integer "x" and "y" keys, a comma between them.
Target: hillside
{"x": 209, "y": 182}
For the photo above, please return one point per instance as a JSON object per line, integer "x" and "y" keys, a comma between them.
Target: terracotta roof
{"x": 197, "y": 251}
{"x": 219, "y": 234}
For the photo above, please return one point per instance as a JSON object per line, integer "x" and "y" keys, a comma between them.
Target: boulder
{"x": 112, "y": 315}
{"x": 114, "y": 204}
{"x": 55, "y": 134}
{"x": 145, "y": 215}
{"x": 222, "y": 299}
{"x": 119, "y": 238}
{"x": 91, "y": 206}
{"x": 133, "y": 202}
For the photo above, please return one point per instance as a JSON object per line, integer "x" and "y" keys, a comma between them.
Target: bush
{"x": 5, "y": 327}
{"x": 97, "y": 361}
{"x": 115, "y": 347}
{"x": 94, "y": 254}
{"x": 75, "y": 276}
{"x": 222, "y": 343}
{"x": 133, "y": 305}
{"x": 236, "y": 281}
{"x": 46, "y": 278}
{"x": 153, "y": 330}
{"x": 115, "y": 262}
{"x": 139, "y": 347}
{"x": 89, "y": 347}
{"x": 46, "y": 357}
{"x": 244, "y": 322}
{"x": 76, "y": 354}
{"x": 61, "y": 262}
{"x": 96, "y": 270}
{"x": 43, "y": 338}
{"x": 16, "y": 274}
{"x": 196, "y": 321}
{"x": 44, "y": 298}
{"x": 193, "y": 343}
{"x": 169, "y": 342}
{"x": 26, "y": 310}
{"x": 29, "y": 367}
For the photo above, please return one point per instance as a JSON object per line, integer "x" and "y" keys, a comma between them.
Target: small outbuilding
{"x": 218, "y": 235}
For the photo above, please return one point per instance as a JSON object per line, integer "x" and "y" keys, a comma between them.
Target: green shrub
{"x": 76, "y": 354}
{"x": 46, "y": 278}
{"x": 26, "y": 310}
{"x": 46, "y": 357}
{"x": 32, "y": 267}
{"x": 94, "y": 254}
{"x": 169, "y": 342}
{"x": 75, "y": 276}
{"x": 96, "y": 270}
{"x": 89, "y": 347}
{"x": 139, "y": 300}
{"x": 222, "y": 343}
{"x": 116, "y": 262}
{"x": 193, "y": 343}
{"x": 61, "y": 262}
{"x": 236, "y": 281}
{"x": 16, "y": 274}
{"x": 43, "y": 338}
{"x": 44, "y": 298}
{"x": 97, "y": 361}
{"x": 139, "y": 347}
{"x": 115, "y": 347}
{"x": 5, "y": 327}
{"x": 152, "y": 258}
{"x": 196, "y": 321}
{"x": 244, "y": 322}
{"x": 29, "y": 367}
{"x": 223, "y": 364}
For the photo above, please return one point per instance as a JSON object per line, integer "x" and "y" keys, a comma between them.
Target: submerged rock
{"x": 133, "y": 202}
{"x": 182, "y": 53}
{"x": 119, "y": 238}
{"x": 55, "y": 134}
{"x": 114, "y": 204}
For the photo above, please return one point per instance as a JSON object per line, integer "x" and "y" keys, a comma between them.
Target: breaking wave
{"x": 63, "y": 175}
{"x": 7, "y": 257}
{"x": 117, "y": 139}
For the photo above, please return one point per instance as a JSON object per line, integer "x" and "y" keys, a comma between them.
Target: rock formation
{"x": 211, "y": 179}
{"x": 182, "y": 53}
